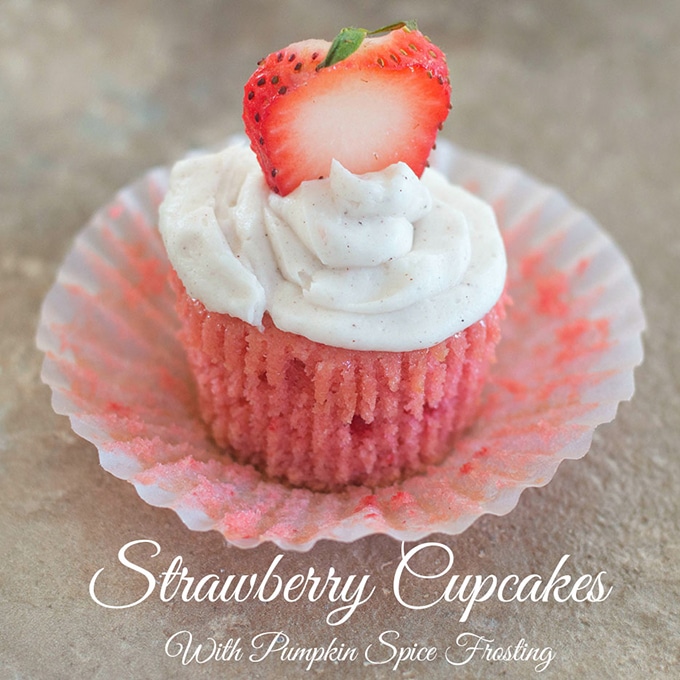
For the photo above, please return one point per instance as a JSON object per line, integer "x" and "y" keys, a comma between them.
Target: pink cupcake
{"x": 340, "y": 302}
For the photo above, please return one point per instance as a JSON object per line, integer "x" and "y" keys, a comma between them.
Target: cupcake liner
{"x": 571, "y": 341}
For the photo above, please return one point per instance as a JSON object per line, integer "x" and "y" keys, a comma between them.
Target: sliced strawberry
{"x": 367, "y": 103}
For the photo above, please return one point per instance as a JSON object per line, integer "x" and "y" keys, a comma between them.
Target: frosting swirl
{"x": 381, "y": 261}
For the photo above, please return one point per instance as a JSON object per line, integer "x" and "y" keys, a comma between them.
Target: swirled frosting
{"x": 381, "y": 261}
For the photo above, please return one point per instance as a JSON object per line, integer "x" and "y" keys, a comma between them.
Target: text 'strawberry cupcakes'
{"x": 340, "y": 301}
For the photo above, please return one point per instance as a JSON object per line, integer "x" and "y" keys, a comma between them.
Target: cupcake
{"x": 340, "y": 302}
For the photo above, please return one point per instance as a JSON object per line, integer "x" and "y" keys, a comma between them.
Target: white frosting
{"x": 382, "y": 261}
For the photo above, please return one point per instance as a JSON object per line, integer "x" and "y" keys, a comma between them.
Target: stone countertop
{"x": 583, "y": 95}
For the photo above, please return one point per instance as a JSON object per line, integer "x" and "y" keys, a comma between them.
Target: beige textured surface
{"x": 582, "y": 94}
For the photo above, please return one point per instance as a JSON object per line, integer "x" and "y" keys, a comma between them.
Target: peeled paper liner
{"x": 571, "y": 341}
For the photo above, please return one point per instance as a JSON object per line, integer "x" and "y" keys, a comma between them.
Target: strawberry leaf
{"x": 349, "y": 40}
{"x": 345, "y": 43}
{"x": 410, "y": 25}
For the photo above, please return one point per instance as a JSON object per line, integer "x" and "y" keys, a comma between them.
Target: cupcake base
{"x": 325, "y": 417}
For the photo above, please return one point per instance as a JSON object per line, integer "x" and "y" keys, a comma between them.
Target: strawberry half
{"x": 367, "y": 101}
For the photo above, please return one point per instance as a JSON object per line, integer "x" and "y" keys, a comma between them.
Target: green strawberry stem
{"x": 349, "y": 40}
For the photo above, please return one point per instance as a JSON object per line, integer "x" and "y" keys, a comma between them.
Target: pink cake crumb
{"x": 325, "y": 417}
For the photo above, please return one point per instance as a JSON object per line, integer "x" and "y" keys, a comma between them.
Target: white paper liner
{"x": 570, "y": 344}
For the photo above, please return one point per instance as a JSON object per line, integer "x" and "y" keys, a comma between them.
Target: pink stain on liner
{"x": 571, "y": 341}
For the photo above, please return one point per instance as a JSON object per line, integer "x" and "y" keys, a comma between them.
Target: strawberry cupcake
{"x": 340, "y": 301}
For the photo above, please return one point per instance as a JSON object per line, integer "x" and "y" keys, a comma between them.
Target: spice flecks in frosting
{"x": 381, "y": 261}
